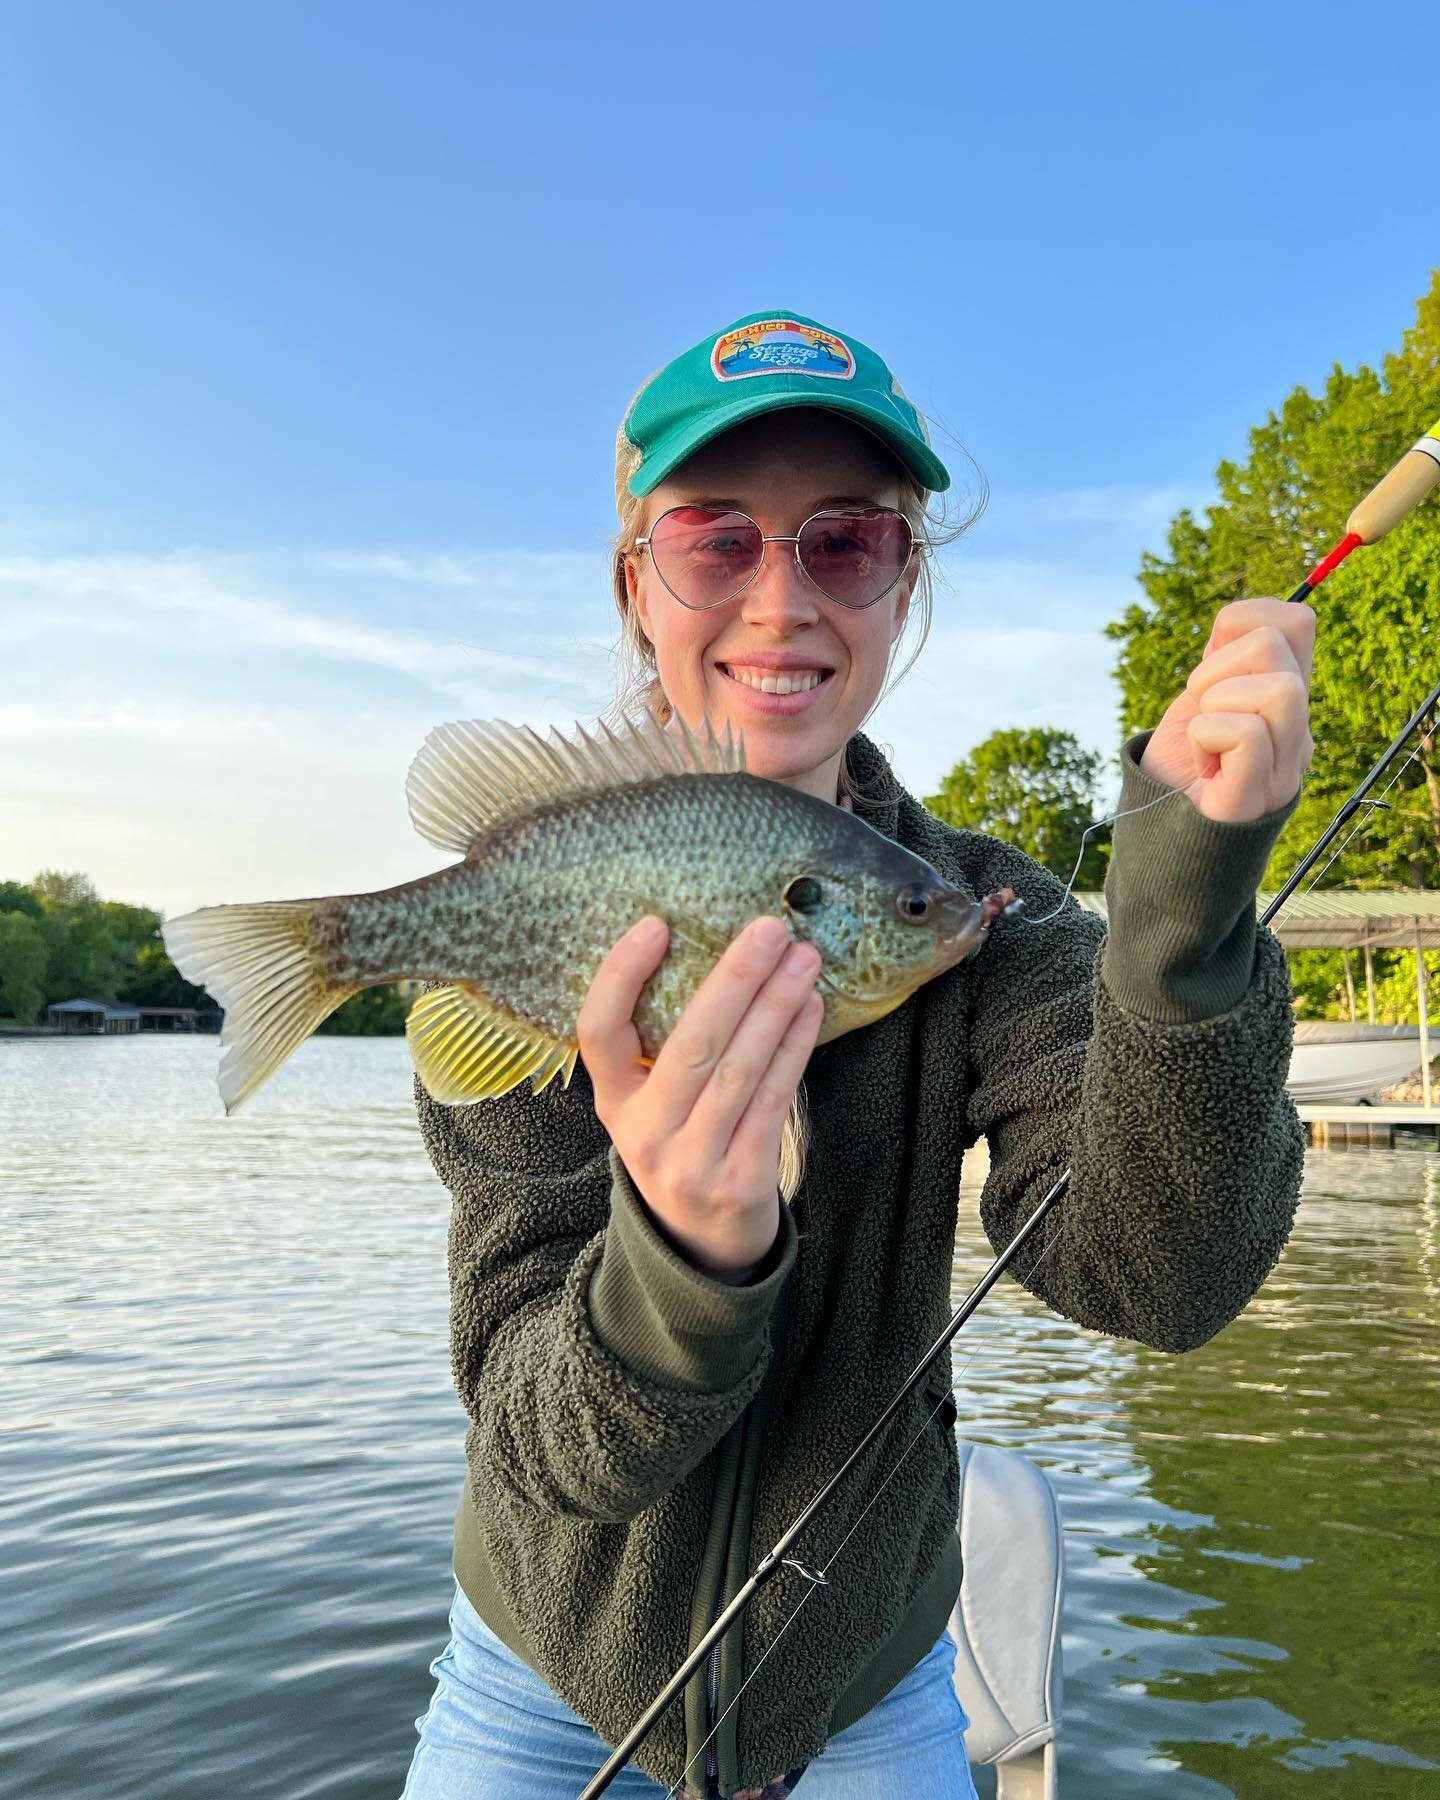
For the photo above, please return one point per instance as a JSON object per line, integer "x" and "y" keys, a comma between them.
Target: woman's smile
{"x": 774, "y": 685}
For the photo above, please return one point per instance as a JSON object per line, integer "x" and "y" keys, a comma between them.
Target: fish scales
{"x": 565, "y": 844}
{"x": 530, "y": 914}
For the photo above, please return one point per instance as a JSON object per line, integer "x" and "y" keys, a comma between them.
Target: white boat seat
{"x": 1006, "y": 1621}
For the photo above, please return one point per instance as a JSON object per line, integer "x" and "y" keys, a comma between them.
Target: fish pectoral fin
{"x": 694, "y": 935}
{"x": 466, "y": 1048}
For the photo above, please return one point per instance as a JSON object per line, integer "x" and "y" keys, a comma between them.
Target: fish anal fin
{"x": 467, "y": 1048}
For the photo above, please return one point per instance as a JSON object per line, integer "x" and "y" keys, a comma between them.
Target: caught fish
{"x": 565, "y": 844}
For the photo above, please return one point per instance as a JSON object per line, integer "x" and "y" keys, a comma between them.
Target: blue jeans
{"x": 496, "y": 1731}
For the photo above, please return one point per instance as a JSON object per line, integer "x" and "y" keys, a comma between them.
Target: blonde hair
{"x": 638, "y": 689}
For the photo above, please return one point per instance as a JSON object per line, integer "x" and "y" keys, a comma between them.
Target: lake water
{"x": 231, "y": 1455}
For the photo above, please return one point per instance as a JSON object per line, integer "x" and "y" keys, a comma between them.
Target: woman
{"x": 662, "y": 1360}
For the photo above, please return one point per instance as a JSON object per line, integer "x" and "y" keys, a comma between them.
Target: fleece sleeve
{"x": 596, "y": 1365}
{"x": 1152, "y": 1064}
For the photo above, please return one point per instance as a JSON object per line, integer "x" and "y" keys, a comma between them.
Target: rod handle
{"x": 1397, "y": 494}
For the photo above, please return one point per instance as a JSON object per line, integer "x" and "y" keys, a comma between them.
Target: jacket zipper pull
{"x": 712, "y": 1766}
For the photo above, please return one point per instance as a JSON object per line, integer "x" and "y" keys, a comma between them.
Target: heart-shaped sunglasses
{"x": 854, "y": 557}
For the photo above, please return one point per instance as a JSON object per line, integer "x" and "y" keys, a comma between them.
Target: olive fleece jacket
{"x": 641, "y": 1434}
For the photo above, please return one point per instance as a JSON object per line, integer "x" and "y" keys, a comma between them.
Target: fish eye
{"x": 914, "y": 902}
{"x": 804, "y": 894}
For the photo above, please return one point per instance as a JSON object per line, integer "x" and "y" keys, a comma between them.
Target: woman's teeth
{"x": 775, "y": 684}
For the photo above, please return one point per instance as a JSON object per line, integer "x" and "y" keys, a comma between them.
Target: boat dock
{"x": 1368, "y": 1127}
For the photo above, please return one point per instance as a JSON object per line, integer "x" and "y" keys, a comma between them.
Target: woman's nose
{"x": 781, "y": 593}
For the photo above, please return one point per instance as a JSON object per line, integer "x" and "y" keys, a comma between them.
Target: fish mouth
{"x": 965, "y": 923}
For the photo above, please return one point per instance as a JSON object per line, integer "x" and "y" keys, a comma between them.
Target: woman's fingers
{"x": 1245, "y": 776}
{"x": 605, "y": 1027}
{"x": 1296, "y": 624}
{"x": 748, "y": 1063}
{"x": 756, "y": 1140}
{"x": 1279, "y": 697}
{"x": 1279, "y": 700}
{"x": 1264, "y": 650}
{"x": 704, "y": 1029}
{"x": 700, "y": 1131}
{"x": 1237, "y": 738}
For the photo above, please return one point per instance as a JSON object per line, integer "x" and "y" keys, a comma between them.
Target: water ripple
{"x": 232, "y": 1454}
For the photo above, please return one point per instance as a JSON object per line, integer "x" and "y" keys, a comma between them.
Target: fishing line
{"x": 1363, "y": 820}
{"x": 1098, "y": 825}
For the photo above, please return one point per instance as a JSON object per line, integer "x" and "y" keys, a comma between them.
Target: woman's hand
{"x": 699, "y": 1132}
{"x": 1237, "y": 740}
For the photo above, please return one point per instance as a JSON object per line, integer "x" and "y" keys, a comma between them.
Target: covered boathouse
{"x": 112, "y": 1017}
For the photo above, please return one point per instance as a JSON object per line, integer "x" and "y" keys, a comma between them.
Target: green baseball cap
{"x": 760, "y": 363}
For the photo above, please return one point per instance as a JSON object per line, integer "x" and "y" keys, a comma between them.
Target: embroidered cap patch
{"x": 780, "y": 347}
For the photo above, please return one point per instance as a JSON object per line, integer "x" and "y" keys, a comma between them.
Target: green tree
{"x": 105, "y": 949}
{"x": 1035, "y": 788}
{"x": 23, "y": 960}
{"x": 55, "y": 888}
{"x": 373, "y": 1012}
{"x": 1378, "y": 645}
{"x": 16, "y": 897}
{"x": 153, "y": 980}
{"x": 86, "y": 958}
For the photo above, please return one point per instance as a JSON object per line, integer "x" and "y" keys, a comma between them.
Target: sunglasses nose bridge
{"x": 755, "y": 580}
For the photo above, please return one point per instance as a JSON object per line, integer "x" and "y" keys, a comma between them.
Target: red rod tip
{"x": 1328, "y": 564}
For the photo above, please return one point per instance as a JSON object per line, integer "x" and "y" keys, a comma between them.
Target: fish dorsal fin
{"x": 471, "y": 776}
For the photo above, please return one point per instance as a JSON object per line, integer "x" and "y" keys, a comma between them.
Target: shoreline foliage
{"x": 1037, "y": 789}
{"x": 1378, "y": 647}
{"x": 60, "y": 941}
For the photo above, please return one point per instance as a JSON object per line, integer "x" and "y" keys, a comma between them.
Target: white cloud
{"x": 213, "y": 609}
{"x": 197, "y": 727}
{"x": 1135, "y": 514}
{"x": 182, "y": 803}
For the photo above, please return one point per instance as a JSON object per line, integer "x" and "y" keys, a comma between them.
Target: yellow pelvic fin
{"x": 257, "y": 962}
{"x": 465, "y": 1048}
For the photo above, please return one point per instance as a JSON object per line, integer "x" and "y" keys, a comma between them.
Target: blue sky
{"x": 318, "y": 321}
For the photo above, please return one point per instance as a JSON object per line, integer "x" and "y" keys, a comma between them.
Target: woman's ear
{"x": 639, "y": 600}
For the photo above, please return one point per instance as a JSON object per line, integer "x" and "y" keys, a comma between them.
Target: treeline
{"x": 1377, "y": 653}
{"x": 1377, "y": 648}
{"x": 60, "y": 941}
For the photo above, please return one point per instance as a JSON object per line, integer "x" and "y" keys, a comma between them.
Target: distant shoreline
{"x": 130, "y": 1037}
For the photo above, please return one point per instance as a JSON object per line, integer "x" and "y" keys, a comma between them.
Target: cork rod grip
{"x": 1397, "y": 494}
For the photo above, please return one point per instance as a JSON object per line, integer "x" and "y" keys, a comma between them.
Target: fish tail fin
{"x": 265, "y": 965}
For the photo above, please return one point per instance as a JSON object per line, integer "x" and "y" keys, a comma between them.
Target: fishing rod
{"x": 1393, "y": 498}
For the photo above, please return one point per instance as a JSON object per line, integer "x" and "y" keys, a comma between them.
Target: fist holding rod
{"x": 1237, "y": 739}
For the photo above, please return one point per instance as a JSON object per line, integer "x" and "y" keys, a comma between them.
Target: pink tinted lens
{"x": 855, "y": 557}
{"x": 703, "y": 557}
